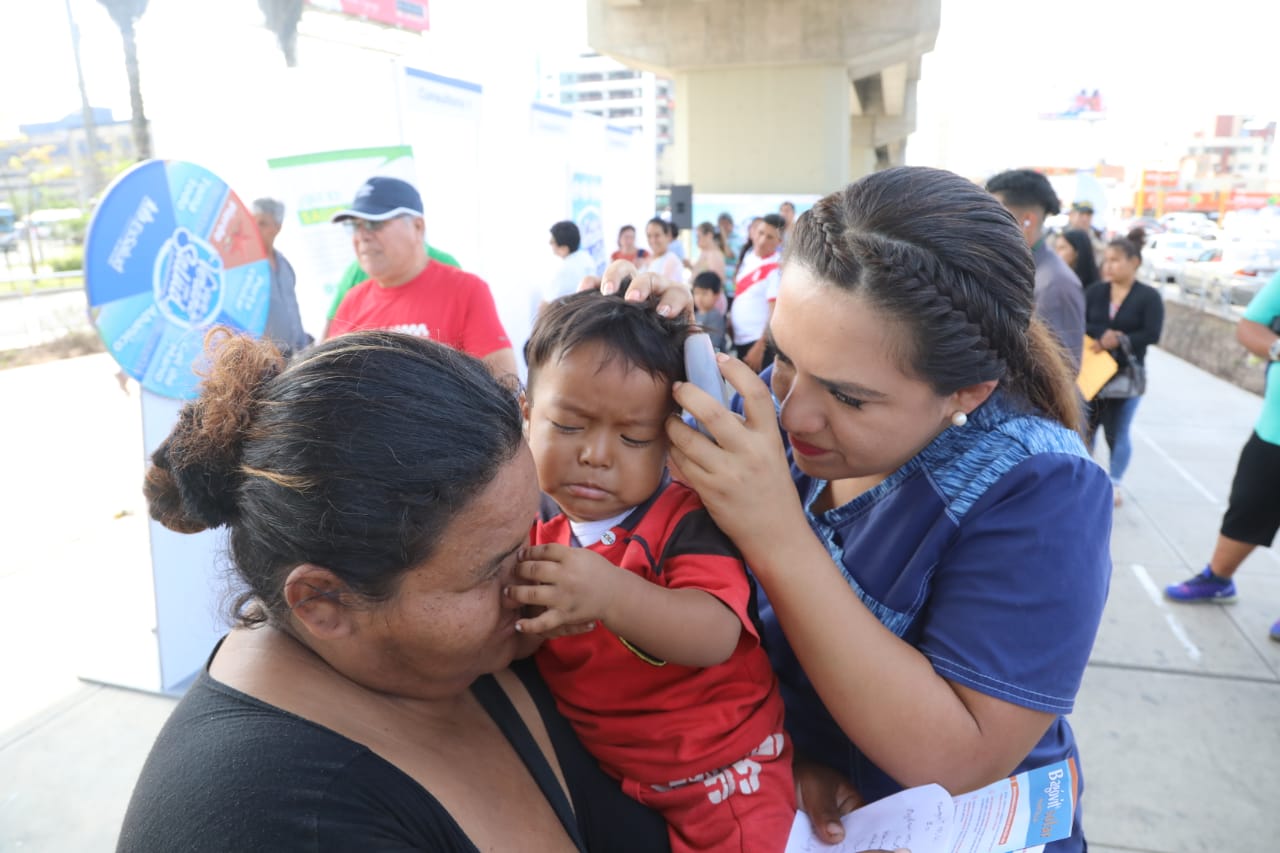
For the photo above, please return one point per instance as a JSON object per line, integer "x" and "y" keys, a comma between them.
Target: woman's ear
{"x": 971, "y": 397}
{"x": 314, "y": 596}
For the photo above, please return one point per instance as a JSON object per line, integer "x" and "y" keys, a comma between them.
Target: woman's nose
{"x": 800, "y": 414}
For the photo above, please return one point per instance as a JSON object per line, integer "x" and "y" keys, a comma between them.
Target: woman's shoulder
{"x": 966, "y": 463}
{"x": 1148, "y": 292}
{"x": 231, "y": 772}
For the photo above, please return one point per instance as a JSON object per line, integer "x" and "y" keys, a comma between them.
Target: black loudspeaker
{"x": 682, "y": 205}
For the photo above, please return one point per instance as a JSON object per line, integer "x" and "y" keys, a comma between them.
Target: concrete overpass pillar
{"x": 772, "y": 129}
{"x": 777, "y": 95}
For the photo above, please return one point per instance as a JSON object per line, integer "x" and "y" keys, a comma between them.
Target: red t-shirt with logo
{"x": 441, "y": 303}
{"x": 645, "y": 719}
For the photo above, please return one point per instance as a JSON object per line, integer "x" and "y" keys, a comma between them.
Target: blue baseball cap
{"x": 380, "y": 199}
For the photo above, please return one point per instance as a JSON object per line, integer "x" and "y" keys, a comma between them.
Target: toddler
{"x": 670, "y": 689}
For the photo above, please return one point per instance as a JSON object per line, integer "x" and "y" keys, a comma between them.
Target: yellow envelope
{"x": 1096, "y": 369}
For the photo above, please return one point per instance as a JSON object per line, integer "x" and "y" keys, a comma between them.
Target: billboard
{"x": 405, "y": 14}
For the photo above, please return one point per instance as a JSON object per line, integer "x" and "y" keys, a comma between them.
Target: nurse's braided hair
{"x": 943, "y": 259}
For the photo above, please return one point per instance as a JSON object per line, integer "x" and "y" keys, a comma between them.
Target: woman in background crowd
{"x": 1076, "y": 248}
{"x": 627, "y": 248}
{"x": 711, "y": 259}
{"x": 662, "y": 261}
{"x": 1124, "y": 317}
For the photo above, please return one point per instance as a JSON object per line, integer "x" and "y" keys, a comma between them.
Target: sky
{"x": 1163, "y": 68}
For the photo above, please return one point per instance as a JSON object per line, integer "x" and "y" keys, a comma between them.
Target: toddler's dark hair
{"x": 707, "y": 280}
{"x": 631, "y": 331}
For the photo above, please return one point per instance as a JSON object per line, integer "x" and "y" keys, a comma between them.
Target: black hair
{"x": 936, "y": 254}
{"x": 1126, "y": 245}
{"x": 624, "y": 229}
{"x": 707, "y": 280}
{"x": 1086, "y": 265}
{"x": 666, "y": 226}
{"x": 724, "y": 215}
{"x": 356, "y": 458}
{"x": 566, "y": 234}
{"x": 633, "y": 332}
{"x": 776, "y": 220}
{"x": 1138, "y": 237}
{"x": 786, "y": 204}
{"x": 1025, "y": 188}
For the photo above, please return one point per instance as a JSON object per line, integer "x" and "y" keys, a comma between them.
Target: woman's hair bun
{"x": 191, "y": 484}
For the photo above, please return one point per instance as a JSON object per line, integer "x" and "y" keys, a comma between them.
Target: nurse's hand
{"x": 675, "y": 298}
{"x": 742, "y": 477}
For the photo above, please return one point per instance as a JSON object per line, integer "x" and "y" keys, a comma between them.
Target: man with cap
{"x": 1081, "y": 218}
{"x": 1029, "y": 196}
{"x": 407, "y": 291}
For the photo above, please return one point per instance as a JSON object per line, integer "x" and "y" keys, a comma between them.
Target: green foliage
{"x": 73, "y": 260}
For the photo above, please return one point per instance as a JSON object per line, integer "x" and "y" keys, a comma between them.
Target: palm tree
{"x": 93, "y": 176}
{"x": 126, "y": 14}
{"x": 282, "y": 19}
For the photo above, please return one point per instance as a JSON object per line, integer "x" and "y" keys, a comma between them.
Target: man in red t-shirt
{"x": 407, "y": 291}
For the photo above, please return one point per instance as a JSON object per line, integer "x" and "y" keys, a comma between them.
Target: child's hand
{"x": 574, "y": 585}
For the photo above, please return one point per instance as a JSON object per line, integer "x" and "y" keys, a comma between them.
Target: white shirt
{"x": 589, "y": 533}
{"x": 666, "y": 265}
{"x": 755, "y": 289}
{"x": 576, "y": 267}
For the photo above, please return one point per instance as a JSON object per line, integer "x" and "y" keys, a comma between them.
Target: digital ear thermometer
{"x": 702, "y": 369}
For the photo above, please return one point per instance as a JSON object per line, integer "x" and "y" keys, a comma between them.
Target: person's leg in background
{"x": 1252, "y": 520}
{"x": 1120, "y": 417}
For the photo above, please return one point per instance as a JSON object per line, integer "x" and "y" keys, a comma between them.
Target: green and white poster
{"x": 313, "y": 188}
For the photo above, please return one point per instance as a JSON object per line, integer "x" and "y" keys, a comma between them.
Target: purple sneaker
{"x": 1205, "y": 586}
{"x": 1275, "y": 631}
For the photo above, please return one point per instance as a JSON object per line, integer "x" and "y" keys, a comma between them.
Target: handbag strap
{"x": 1127, "y": 348}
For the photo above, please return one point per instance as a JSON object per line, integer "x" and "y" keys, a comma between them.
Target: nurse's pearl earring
{"x": 959, "y": 419}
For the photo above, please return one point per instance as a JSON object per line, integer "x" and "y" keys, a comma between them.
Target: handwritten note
{"x": 1023, "y": 812}
{"x": 918, "y": 819}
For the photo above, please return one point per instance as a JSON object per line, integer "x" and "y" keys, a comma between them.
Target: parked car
{"x": 1205, "y": 276}
{"x": 1146, "y": 223}
{"x": 1243, "y": 284}
{"x": 1188, "y": 223}
{"x": 1165, "y": 254}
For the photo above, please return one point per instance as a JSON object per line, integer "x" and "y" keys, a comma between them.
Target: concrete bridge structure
{"x": 777, "y": 95}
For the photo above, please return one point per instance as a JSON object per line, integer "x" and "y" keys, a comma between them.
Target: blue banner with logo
{"x": 172, "y": 252}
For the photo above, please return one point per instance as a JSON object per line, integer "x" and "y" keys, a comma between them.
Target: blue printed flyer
{"x": 172, "y": 252}
{"x": 1023, "y": 812}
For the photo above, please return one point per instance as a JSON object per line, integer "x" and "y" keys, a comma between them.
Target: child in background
{"x": 669, "y": 689}
{"x": 706, "y": 296}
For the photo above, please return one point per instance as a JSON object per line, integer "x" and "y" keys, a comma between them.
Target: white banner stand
{"x": 170, "y": 621}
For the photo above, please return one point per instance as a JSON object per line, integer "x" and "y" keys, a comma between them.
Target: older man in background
{"x": 406, "y": 290}
{"x": 284, "y": 321}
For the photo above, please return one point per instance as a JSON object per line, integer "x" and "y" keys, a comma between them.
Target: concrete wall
{"x": 1209, "y": 342}
{"x": 763, "y": 130}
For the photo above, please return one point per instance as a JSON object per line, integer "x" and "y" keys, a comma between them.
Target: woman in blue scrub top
{"x": 929, "y": 534}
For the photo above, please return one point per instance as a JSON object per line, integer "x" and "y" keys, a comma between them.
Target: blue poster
{"x": 585, "y": 192}
{"x": 171, "y": 252}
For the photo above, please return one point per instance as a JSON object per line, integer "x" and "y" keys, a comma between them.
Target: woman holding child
{"x": 378, "y": 493}
{"x": 928, "y": 614}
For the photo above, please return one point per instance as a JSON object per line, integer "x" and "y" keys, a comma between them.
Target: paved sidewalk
{"x": 1177, "y": 718}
